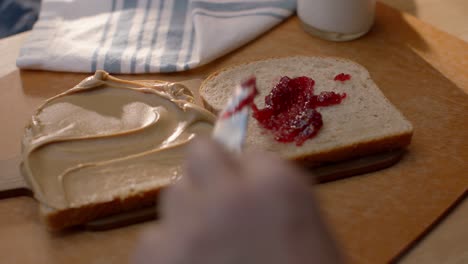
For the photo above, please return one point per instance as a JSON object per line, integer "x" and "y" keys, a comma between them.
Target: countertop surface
{"x": 446, "y": 243}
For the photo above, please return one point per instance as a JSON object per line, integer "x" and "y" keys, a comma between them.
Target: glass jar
{"x": 336, "y": 20}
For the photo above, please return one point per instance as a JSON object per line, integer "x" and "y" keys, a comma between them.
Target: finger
{"x": 281, "y": 185}
{"x": 185, "y": 198}
{"x": 266, "y": 169}
{"x": 283, "y": 191}
{"x": 209, "y": 165}
{"x": 176, "y": 201}
{"x": 150, "y": 248}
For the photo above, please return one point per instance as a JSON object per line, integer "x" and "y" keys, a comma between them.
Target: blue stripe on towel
{"x": 112, "y": 61}
{"x": 140, "y": 38}
{"x": 190, "y": 48}
{"x": 155, "y": 36}
{"x": 103, "y": 38}
{"x": 174, "y": 37}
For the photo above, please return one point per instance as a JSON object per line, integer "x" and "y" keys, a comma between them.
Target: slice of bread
{"x": 364, "y": 123}
{"x": 108, "y": 146}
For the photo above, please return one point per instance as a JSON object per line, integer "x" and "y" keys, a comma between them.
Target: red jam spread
{"x": 291, "y": 109}
{"x": 342, "y": 77}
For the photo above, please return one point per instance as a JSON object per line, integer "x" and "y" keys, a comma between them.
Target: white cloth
{"x": 138, "y": 36}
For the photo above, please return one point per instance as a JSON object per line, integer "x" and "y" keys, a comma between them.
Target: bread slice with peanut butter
{"x": 108, "y": 146}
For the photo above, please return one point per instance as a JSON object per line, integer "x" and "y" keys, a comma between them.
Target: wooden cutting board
{"x": 375, "y": 216}
{"x": 13, "y": 184}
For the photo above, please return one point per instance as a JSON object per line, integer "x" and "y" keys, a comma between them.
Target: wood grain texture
{"x": 375, "y": 216}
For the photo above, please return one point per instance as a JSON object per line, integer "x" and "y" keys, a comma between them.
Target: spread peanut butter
{"x": 108, "y": 138}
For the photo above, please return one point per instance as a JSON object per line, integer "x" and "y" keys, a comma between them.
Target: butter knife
{"x": 231, "y": 127}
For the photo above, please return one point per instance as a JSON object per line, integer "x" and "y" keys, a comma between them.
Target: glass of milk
{"x": 336, "y": 20}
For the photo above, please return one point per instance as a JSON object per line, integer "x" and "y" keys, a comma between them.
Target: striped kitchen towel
{"x": 138, "y": 36}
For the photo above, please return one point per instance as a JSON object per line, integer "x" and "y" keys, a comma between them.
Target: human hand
{"x": 250, "y": 209}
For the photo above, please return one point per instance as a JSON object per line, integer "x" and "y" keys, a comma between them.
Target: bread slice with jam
{"x": 363, "y": 123}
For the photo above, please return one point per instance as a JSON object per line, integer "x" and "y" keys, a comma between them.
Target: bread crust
{"x": 357, "y": 150}
{"x": 61, "y": 219}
